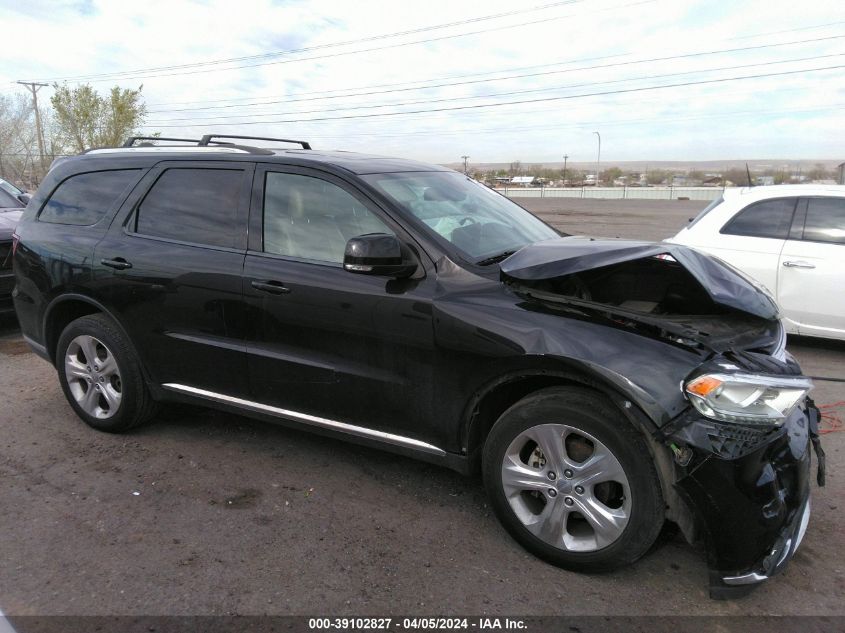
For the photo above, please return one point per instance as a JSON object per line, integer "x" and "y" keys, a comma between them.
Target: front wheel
{"x": 572, "y": 481}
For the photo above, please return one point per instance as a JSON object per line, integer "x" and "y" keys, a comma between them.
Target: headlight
{"x": 747, "y": 398}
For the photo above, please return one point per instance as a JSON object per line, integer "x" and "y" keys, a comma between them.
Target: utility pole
{"x": 598, "y": 159}
{"x": 565, "y": 158}
{"x": 466, "y": 158}
{"x": 33, "y": 88}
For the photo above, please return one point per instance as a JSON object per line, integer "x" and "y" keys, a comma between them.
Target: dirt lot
{"x": 206, "y": 513}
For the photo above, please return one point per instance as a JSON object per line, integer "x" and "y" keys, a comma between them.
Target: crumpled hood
{"x": 563, "y": 256}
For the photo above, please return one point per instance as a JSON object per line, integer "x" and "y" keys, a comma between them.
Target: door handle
{"x": 799, "y": 265}
{"x": 273, "y": 287}
{"x": 118, "y": 263}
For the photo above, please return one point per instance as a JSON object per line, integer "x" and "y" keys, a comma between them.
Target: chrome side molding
{"x": 746, "y": 579}
{"x": 313, "y": 420}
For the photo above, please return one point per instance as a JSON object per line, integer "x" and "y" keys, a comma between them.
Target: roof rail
{"x": 132, "y": 139}
{"x": 208, "y": 139}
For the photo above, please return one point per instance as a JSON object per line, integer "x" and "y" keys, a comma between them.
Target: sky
{"x": 497, "y": 81}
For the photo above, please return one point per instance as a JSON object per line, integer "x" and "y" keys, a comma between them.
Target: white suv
{"x": 791, "y": 238}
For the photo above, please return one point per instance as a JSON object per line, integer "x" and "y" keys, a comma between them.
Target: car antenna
{"x": 748, "y": 173}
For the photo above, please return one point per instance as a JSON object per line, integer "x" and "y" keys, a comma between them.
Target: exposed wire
{"x": 835, "y": 424}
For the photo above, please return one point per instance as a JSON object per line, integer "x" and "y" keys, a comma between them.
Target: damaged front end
{"x": 742, "y": 463}
{"x": 741, "y": 445}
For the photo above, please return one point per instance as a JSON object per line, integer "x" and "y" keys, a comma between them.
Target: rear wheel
{"x": 572, "y": 481}
{"x": 100, "y": 375}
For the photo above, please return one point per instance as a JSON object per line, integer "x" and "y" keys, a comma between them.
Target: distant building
{"x": 764, "y": 181}
{"x": 523, "y": 181}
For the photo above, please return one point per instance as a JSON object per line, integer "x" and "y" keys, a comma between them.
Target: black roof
{"x": 349, "y": 161}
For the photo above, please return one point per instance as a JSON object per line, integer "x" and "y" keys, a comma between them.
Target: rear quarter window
{"x": 84, "y": 199}
{"x": 767, "y": 218}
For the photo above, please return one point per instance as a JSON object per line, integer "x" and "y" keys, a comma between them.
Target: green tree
{"x": 658, "y": 176}
{"x": 85, "y": 119}
{"x": 610, "y": 174}
{"x": 818, "y": 172}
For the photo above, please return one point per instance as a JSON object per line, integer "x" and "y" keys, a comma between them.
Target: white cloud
{"x": 797, "y": 116}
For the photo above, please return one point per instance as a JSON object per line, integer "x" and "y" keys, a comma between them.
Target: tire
{"x": 101, "y": 376}
{"x": 573, "y": 481}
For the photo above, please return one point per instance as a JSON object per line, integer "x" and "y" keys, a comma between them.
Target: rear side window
{"x": 193, "y": 205}
{"x": 825, "y": 220}
{"x": 85, "y": 198}
{"x": 768, "y": 218}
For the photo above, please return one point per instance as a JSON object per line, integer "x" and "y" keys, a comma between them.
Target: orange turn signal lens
{"x": 704, "y": 386}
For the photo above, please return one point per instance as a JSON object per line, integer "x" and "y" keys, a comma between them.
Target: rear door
{"x": 170, "y": 268}
{"x": 811, "y": 286}
{"x": 753, "y": 239}
{"x": 325, "y": 342}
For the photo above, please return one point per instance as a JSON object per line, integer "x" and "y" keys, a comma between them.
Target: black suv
{"x": 602, "y": 386}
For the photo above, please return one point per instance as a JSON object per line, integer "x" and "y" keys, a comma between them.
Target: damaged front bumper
{"x": 750, "y": 492}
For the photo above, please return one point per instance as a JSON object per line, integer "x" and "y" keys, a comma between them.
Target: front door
{"x": 325, "y": 342}
{"x": 811, "y": 275}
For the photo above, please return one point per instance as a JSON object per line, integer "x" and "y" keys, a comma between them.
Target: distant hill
{"x": 755, "y": 164}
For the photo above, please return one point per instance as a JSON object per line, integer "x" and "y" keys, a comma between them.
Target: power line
{"x": 113, "y": 76}
{"x": 497, "y": 120}
{"x": 293, "y": 51}
{"x": 800, "y": 28}
{"x": 543, "y": 128}
{"x": 371, "y": 86}
{"x": 503, "y": 94}
{"x": 519, "y": 76}
{"x": 583, "y": 124}
{"x": 523, "y": 101}
{"x": 477, "y": 74}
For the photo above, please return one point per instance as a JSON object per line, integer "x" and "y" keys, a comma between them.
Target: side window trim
{"x": 128, "y": 224}
{"x": 799, "y": 219}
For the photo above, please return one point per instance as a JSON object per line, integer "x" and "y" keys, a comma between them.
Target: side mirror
{"x": 378, "y": 254}
{"x": 24, "y": 198}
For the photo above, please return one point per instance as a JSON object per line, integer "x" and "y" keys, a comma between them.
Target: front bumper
{"x": 750, "y": 495}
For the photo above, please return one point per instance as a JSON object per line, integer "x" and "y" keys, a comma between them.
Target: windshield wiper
{"x": 495, "y": 259}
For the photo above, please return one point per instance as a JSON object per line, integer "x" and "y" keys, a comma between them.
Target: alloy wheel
{"x": 566, "y": 487}
{"x": 93, "y": 376}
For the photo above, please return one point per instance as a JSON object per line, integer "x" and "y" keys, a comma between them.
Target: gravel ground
{"x": 209, "y": 513}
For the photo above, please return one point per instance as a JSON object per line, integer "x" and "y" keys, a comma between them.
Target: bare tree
{"x": 18, "y": 142}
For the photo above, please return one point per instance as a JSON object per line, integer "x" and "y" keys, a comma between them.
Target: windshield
{"x": 482, "y": 224}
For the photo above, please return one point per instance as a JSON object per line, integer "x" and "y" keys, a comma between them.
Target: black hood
{"x": 563, "y": 256}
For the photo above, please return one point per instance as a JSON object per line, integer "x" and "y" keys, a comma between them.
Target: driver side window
{"x": 310, "y": 218}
